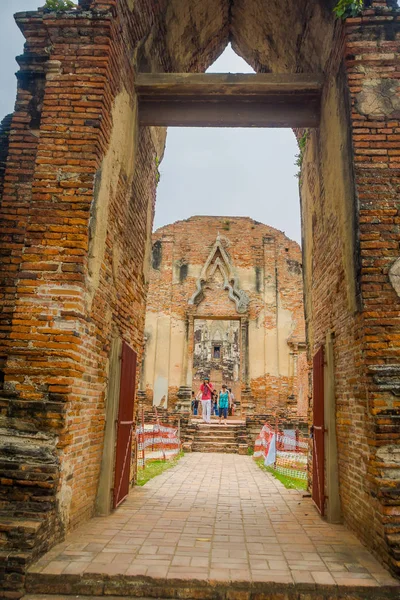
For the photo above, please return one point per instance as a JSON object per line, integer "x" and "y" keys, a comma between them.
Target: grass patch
{"x": 154, "y": 468}
{"x": 289, "y": 482}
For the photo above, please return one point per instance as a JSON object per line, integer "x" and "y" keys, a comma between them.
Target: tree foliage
{"x": 348, "y": 8}
{"x": 59, "y": 5}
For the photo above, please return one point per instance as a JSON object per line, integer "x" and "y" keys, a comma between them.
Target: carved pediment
{"x": 218, "y": 268}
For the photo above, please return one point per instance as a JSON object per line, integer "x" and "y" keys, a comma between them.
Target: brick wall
{"x": 372, "y": 64}
{"x": 18, "y": 165}
{"x": 76, "y": 275}
{"x": 350, "y": 234}
{"x": 71, "y": 280}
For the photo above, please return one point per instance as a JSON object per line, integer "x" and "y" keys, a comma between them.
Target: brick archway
{"x": 80, "y": 177}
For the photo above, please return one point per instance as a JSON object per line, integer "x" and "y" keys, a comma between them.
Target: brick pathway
{"x": 217, "y": 517}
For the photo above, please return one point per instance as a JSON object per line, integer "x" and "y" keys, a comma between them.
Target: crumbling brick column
{"x": 19, "y": 146}
{"x": 372, "y": 59}
{"x": 28, "y": 463}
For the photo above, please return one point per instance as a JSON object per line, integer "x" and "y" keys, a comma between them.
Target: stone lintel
{"x": 230, "y": 100}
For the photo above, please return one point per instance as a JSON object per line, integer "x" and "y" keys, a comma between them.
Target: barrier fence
{"x": 156, "y": 441}
{"x": 285, "y": 451}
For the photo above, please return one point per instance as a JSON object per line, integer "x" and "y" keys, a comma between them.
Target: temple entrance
{"x": 217, "y": 354}
{"x": 98, "y": 84}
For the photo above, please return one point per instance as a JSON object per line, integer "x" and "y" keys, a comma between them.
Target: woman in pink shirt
{"x": 206, "y": 390}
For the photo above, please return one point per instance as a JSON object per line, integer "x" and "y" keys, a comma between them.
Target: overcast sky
{"x": 232, "y": 172}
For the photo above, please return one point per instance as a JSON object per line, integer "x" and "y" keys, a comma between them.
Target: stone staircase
{"x": 230, "y": 438}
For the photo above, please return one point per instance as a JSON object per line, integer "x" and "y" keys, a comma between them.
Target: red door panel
{"x": 318, "y": 485}
{"x": 123, "y": 450}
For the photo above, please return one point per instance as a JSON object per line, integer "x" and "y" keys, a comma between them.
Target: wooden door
{"x": 318, "y": 478}
{"x": 125, "y": 424}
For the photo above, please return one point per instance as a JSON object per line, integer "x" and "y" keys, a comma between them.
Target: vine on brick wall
{"x": 302, "y": 142}
{"x": 348, "y": 8}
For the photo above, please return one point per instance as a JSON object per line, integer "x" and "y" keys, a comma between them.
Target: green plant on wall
{"x": 59, "y": 5}
{"x": 348, "y": 8}
{"x": 302, "y": 142}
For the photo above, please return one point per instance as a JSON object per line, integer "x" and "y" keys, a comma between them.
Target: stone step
{"x": 216, "y": 435}
{"x": 218, "y": 429}
{"x": 218, "y": 425}
{"x": 90, "y": 586}
{"x": 20, "y": 533}
{"x": 216, "y": 443}
{"x": 219, "y": 441}
{"x": 214, "y": 419}
{"x": 215, "y": 422}
{"x": 202, "y": 450}
{"x": 68, "y": 597}
{"x": 199, "y": 442}
{"x": 218, "y": 449}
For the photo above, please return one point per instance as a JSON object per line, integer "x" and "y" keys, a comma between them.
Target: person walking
{"x": 223, "y": 403}
{"x": 206, "y": 390}
{"x": 214, "y": 406}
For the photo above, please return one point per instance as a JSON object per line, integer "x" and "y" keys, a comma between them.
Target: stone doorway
{"x": 217, "y": 353}
{"x": 78, "y": 190}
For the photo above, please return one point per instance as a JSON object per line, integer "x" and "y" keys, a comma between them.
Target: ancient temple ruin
{"x": 226, "y": 300}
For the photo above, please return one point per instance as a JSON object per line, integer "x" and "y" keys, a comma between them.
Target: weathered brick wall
{"x": 268, "y": 268}
{"x": 18, "y": 166}
{"x": 329, "y": 213}
{"x": 29, "y": 467}
{"x": 5, "y": 127}
{"x": 350, "y": 241}
{"x": 79, "y": 180}
{"x": 372, "y": 64}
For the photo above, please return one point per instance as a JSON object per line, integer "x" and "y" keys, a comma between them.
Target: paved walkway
{"x": 217, "y": 517}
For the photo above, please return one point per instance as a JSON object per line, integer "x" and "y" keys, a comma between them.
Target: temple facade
{"x": 226, "y": 300}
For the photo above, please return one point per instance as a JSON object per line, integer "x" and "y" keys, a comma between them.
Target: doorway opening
{"x": 239, "y": 269}
{"x": 217, "y": 354}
